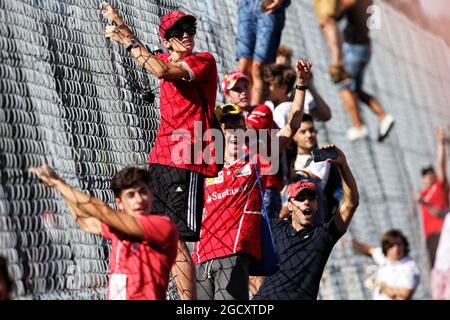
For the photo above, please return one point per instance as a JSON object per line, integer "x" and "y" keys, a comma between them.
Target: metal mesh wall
{"x": 388, "y": 173}
{"x": 73, "y": 96}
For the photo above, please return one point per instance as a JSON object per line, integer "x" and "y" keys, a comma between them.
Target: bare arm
{"x": 284, "y": 212}
{"x": 303, "y": 69}
{"x": 87, "y": 210}
{"x": 322, "y": 111}
{"x": 87, "y": 224}
{"x": 362, "y": 248}
{"x": 441, "y": 166}
{"x": 396, "y": 293}
{"x": 254, "y": 283}
{"x": 97, "y": 209}
{"x": 413, "y": 204}
{"x": 351, "y": 194}
{"x": 433, "y": 210}
{"x": 121, "y": 33}
{"x": 160, "y": 69}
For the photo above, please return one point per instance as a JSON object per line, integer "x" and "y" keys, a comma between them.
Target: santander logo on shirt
{"x": 228, "y": 192}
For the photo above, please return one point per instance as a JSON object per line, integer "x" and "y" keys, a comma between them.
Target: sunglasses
{"x": 238, "y": 90}
{"x": 304, "y": 197}
{"x": 179, "y": 32}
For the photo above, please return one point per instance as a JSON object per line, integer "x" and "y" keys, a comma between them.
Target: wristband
{"x": 301, "y": 88}
{"x": 133, "y": 44}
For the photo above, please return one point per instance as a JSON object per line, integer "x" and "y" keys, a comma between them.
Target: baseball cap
{"x": 294, "y": 189}
{"x": 169, "y": 19}
{"x": 227, "y": 109}
{"x": 230, "y": 79}
{"x": 261, "y": 117}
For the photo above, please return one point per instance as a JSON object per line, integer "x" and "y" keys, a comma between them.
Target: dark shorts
{"x": 178, "y": 193}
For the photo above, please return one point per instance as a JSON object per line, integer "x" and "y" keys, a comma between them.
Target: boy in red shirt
{"x": 143, "y": 245}
{"x": 188, "y": 85}
{"x": 230, "y": 235}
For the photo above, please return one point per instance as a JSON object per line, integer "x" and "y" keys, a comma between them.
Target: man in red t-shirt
{"x": 230, "y": 235}
{"x": 143, "y": 245}
{"x": 236, "y": 89}
{"x": 434, "y": 198}
{"x": 178, "y": 162}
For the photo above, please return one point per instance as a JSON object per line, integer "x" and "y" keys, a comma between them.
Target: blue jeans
{"x": 356, "y": 58}
{"x": 272, "y": 202}
{"x": 258, "y": 35}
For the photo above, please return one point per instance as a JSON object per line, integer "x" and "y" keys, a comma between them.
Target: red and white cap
{"x": 230, "y": 79}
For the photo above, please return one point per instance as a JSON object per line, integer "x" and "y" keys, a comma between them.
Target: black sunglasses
{"x": 304, "y": 197}
{"x": 179, "y": 32}
{"x": 238, "y": 90}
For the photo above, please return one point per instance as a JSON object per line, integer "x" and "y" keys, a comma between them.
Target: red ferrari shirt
{"x": 437, "y": 196}
{"x": 232, "y": 213}
{"x": 179, "y": 141}
{"x": 145, "y": 263}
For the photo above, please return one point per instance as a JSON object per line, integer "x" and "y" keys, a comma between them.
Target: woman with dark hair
{"x": 397, "y": 276}
{"x": 394, "y": 237}
{"x": 6, "y": 284}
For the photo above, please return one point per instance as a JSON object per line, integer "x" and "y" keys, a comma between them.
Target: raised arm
{"x": 441, "y": 165}
{"x": 121, "y": 33}
{"x": 88, "y": 211}
{"x": 303, "y": 70}
{"x": 351, "y": 194}
{"x": 86, "y": 223}
{"x": 362, "y": 248}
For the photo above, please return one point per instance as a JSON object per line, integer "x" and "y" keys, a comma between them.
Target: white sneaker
{"x": 385, "y": 127}
{"x": 357, "y": 133}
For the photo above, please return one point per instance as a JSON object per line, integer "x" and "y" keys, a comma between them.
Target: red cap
{"x": 169, "y": 19}
{"x": 230, "y": 79}
{"x": 295, "y": 188}
{"x": 261, "y": 117}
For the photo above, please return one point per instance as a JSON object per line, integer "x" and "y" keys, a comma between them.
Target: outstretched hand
{"x": 117, "y": 30}
{"x": 340, "y": 158}
{"x": 111, "y": 14}
{"x": 303, "y": 69}
{"x": 47, "y": 175}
